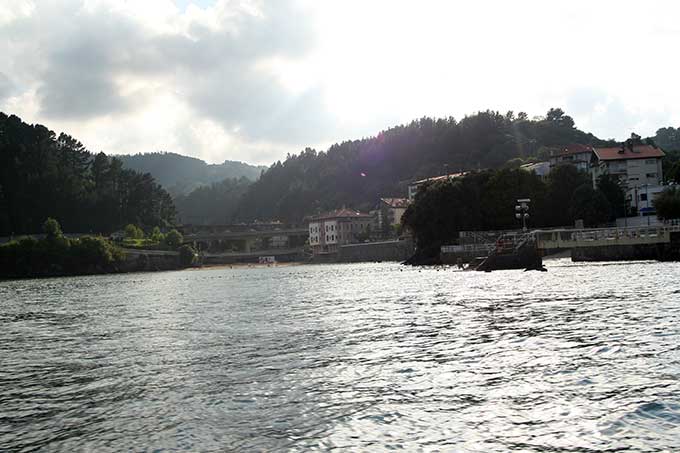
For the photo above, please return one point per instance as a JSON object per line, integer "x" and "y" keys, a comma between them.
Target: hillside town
{"x": 636, "y": 167}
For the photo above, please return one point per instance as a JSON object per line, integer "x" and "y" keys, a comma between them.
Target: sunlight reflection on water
{"x": 365, "y": 357}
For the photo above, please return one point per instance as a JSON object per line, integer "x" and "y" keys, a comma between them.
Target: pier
{"x": 656, "y": 242}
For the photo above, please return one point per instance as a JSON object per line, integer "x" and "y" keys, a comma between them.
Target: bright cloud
{"x": 253, "y": 80}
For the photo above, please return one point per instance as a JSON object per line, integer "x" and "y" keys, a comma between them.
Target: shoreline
{"x": 245, "y": 266}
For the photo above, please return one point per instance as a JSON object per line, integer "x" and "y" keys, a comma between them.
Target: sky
{"x": 255, "y": 80}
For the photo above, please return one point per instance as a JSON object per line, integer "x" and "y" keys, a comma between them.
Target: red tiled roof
{"x": 575, "y": 148}
{"x": 341, "y": 213}
{"x": 638, "y": 152}
{"x": 395, "y": 202}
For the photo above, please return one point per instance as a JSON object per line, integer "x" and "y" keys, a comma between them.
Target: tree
{"x": 312, "y": 181}
{"x": 668, "y": 138}
{"x": 590, "y": 205}
{"x": 667, "y": 204}
{"x": 52, "y": 229}
{"x": 133, "y": 232}
{"x": 174, "y": 238}
{"x": 611, "y": 188}
{"x": 563, "y": 181}
{"x": 44, "y": 175}
{"x": 157, "y": 236}
{"x": 557, "y": 116}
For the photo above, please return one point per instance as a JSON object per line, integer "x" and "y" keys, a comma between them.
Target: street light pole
{"x": 647, "y": 199}
{"x": 522, "y": 211}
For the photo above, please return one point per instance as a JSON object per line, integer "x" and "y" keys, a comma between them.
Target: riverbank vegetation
{"x": 156, "y": 240}
{"x": 485, "y": 200}
{"x": 56, "y": 255}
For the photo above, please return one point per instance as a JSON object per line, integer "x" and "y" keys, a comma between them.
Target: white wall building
{"x": 541, "y": 169}
{"x": 634, "y": 166}
{"x": 414, "y": 186}
{"x": 343, "y": 226}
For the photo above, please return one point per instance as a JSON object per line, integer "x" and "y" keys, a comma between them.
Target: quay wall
{"x": 622, "y": 252}
{"x": 376, "y": 251}
{"x": 149, "y": 260}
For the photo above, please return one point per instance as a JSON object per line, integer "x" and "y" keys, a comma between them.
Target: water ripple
{"x": 367, "y": 357}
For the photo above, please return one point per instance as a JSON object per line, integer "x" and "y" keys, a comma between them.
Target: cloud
{"x": 6, "y": 86}
{"x": 256, "y": 79}
{"x": 105, "y": 61}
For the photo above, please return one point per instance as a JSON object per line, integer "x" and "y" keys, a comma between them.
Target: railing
{"x": 642, "y": 234}
{"x": 506, "y": 243}
{"x": 564, "y": 238}
{"x": 468, "y": 248}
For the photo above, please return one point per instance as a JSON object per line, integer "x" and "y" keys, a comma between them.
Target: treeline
{"x": 44, "y": 175}
{"x": 485, "y": 201}
{"x": 357, "y": 173}
{"x": 212, "y": 204}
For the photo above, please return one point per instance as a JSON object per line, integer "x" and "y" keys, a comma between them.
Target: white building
{"x": 642, "y": 198}
{"x": 541, "y": 169}
{"x": 635, "y": 166}
{"x": 414, "y": 186}
{"x": 390, "y": 211}
{"x": 327, "y": 232}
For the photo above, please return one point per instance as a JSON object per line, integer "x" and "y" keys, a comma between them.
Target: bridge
{"x": 246, "y": 238}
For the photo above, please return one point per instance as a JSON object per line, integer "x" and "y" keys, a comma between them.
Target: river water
{"x": 363, "y": 357}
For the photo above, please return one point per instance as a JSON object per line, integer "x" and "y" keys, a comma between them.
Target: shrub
{"x": 57, "y": 255}
{"x": 187, "y": 255}
{"x": 133, "y": 232}
{"x": 157, "y": 236}
{"x": 52, "y": 229}
{"x": 174, "y": 238}
{"x": 91, "y": 251}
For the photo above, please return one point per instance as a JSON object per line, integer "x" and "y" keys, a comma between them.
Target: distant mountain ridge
{"x": 180, "y": 174}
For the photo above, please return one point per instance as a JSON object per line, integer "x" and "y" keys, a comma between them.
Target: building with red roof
{"x": 328, "y": 231}
{"x": 634, "y": 165}
{"x": 388, "y": 215}
{"x": 581, "y": 156}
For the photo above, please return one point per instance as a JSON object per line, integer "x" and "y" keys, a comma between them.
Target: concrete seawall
{"x": 623, "y": 252}
{"x": 376, "y": 251}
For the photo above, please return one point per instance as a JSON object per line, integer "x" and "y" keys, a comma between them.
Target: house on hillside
{"x": 635, "y": 166}
{"x": 541, "y": 169}
{"x": 580, "y": 156}
{"x": 638, "y": 169}
{"x": 414, "y": 186}
{"x": 388, "y": 214}
{"x": 327, "y": 232}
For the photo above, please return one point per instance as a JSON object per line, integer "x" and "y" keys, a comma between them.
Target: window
{"x": 650, "y": 161}
{"x": 651, "y": 175}
{"x": 643, "y": 197}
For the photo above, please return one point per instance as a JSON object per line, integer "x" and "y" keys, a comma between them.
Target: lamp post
{"x": 522, "y": 211}
{"x": 647, "y": 199}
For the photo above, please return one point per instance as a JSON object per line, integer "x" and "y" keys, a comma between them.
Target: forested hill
{"x": 357, "y": 173}
{"x": 44, "y": 175}
{"x": 181, "y": 174}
